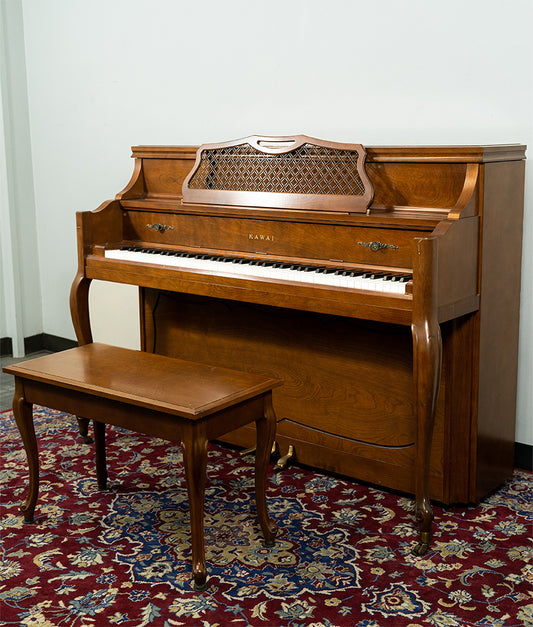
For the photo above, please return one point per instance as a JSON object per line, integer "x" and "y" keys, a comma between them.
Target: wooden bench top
{"x": 173, "y": 386}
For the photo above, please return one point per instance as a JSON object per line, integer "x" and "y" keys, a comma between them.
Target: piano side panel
{"x": 499, "y": 321}
{"x": 459, "y": 376}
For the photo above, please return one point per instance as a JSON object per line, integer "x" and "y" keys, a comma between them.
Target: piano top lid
{"x": 412, "y": 154}
{"x": 289, "y": 172}
{"x": 446, "y": 154}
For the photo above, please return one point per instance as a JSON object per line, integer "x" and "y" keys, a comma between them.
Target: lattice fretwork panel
{"x": 297, "y": 172}
{"x": 307, "y": 170}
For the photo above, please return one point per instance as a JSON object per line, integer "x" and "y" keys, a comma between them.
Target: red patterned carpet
{"x": 342, "y": 558}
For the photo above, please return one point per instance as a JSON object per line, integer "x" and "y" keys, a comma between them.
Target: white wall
{"x": 104, "y": 75}
{"x": 20, "y": 293}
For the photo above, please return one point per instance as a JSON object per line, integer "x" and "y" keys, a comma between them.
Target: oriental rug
{"x": 122, "y": 557}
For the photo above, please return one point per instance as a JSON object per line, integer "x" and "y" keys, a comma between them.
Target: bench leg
{"x": 195, "y": 462}
{"x": 99, "y": 451}
{"x": 23, "y": 412}
{"x": 266, "y": 429}
{"x": 83, "y": 428}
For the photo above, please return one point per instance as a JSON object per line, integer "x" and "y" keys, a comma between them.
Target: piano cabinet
{"x": 450, "y": 217}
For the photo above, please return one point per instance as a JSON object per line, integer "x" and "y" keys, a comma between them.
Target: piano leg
{"x": 79, "y": 311}
{"x": 427, "y": 365}
{"x": 427, "y": 368}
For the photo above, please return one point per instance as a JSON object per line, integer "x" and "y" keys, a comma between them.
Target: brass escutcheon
{"x": 375, "y": 246}
{"x": 160, "y": 228}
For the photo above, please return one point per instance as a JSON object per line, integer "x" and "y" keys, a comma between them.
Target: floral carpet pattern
{"x": 122, "y": 557}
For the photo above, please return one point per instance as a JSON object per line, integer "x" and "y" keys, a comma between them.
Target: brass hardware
{"x": 160, "y": 228}
{"x": 375, "y": 246}
{"x": 283, "y": 461}
{"x": 248, "y": 451}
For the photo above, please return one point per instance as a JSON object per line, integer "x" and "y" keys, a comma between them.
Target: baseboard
{"x": 523, "y": 456}
{"x": 6, "y": 346}
{"x": 36, "y": 343}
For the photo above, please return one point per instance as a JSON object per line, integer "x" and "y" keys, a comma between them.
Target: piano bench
{"x": 172, "y": 399}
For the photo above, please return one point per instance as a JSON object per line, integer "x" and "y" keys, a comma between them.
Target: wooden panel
{"x": 303, "y": 240}
{"x": 324, "y": 362}
{"x": 459, "y": 379}
{"x": 499, "y": 321}
{"x": 417, "y": 184}
{"x": 348, "y": 384}
{"x": 346, "y": 405}
{"x": 164, "y": 177}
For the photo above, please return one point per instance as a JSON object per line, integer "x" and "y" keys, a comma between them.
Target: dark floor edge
{"x": 36, "y": 343}
{"x": 6, "y": 346}
{"x": 523, "y": 456}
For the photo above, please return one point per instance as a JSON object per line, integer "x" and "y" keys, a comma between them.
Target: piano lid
{"x": 296, "y": 172}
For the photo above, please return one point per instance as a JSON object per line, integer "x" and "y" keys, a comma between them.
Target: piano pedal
{"x": 283, "y": 461}
{"x": 274, "y": 451}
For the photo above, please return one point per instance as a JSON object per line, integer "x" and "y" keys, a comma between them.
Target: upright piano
{"x": 382, "y": 284}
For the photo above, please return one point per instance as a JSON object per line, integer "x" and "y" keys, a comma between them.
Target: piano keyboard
{"x": 393, "y": 283}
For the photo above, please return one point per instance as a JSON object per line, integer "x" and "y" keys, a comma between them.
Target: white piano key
{"x": 285, "y": 273}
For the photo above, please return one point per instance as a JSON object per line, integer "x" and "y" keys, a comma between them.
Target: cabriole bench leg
{"x": 23, "y": 412}
{"x": 100, "y": 456}
{"x": 83, "y": 428}
{"x": 266, "y": 428}
{"x": 195, "y": 462}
